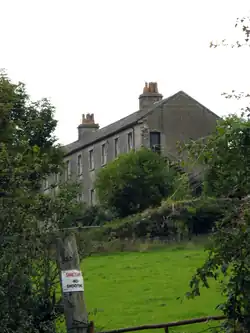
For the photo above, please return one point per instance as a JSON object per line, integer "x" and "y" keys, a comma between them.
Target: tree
{"x": 135, "y": 181}
{"x": 225, "y": 157}
{"x": 28, "y": 218}
{"x": 26, "y": 125}
{"x": 226, "y": 160}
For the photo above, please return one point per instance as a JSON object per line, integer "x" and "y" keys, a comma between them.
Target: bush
{"x": 170, "y": 220}
{"x": 134, "y": 182}
{"x": 95, "y": 215}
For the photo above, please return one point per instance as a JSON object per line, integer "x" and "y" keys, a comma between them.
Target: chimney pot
{"x": 145, "y": 89}
{"x": 149, "y": 96}
{"x": 87, "y": 125}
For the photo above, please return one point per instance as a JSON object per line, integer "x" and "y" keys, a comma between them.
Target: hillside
{"x": 128, "y": 289}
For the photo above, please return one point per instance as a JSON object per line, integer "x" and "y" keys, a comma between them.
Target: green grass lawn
{"x": 136, "y": 288}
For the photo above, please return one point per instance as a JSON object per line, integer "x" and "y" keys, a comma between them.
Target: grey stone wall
{"x": 89, "y": 175}
{"x": 178, "y": 119}
{"x": 181, "y": 119}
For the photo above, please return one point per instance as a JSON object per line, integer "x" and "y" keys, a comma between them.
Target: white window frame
{"x": 104, "y": 153}
{"x": 79, "y": 166}
{"x": 130, "y": 142}
{"x": 91, "y": 159}
{"x": 92, "y": 196}
{"x": 116, "y": 147}
{"x": 80, "y": 197}
{"x": 46, "y": 183}
{"x": 68, "y": 170}
{"x": 46, "y": 188}
{"x": 57, "y": 180}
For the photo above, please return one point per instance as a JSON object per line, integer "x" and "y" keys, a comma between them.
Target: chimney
{"x": 88, "y": 125}
{"x": 149, "y": 96}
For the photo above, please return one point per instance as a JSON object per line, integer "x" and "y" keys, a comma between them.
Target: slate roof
{"x": 116, "y": 127}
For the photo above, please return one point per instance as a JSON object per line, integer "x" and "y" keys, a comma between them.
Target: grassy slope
{"x": 130, "y": 289}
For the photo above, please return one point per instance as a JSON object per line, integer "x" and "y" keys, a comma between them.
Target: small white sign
{"x": 72, "y": 280}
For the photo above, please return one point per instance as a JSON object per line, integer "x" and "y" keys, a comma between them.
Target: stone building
{"x": 158, "y": 124}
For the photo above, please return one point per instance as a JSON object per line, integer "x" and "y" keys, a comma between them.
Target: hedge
{"x": 194, "y": 217}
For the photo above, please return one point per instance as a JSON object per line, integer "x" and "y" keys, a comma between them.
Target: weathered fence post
{"x": 72, "y": 284}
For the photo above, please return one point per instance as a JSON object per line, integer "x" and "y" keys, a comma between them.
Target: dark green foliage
{"x": 187, "y": 218}
{"x": 28, "y": 219}
{"x": 228, "y": 261}
{"x": 225, "y": 156}
{"x": 134, "y": 182}
{"x": 226, "y": 161}
{"x": 95, "y": 216}
{"x": 26, "y": 132}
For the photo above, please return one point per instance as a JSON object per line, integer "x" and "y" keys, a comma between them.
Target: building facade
{"x": 158, "y": 124}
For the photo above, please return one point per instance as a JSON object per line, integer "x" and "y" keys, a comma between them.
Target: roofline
{"x": 120, "y": 128}
{"x": 214, "y": 114}
{"x": 162, "y": 102}
{"x": 100, "y": 139}
{"x": 167, "y": 99}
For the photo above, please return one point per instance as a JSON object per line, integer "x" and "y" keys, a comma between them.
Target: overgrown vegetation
{"x": 141, "y": 196}
{"x": 225, "y": 158}
{"x": 28, "y": 219}
{"x": 223, "y": 208}
{"x": 134, "y": 182}
{"x": 226, "y": 161}
{"x": 170, "y": 220}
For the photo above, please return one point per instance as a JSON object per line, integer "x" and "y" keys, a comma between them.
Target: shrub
{"x": 95, "y": 215}
{"x": 134, "y": 182}
{"x": 167, "y": 221}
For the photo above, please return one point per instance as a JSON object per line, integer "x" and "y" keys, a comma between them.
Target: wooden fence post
{"x": 72, "y": 284}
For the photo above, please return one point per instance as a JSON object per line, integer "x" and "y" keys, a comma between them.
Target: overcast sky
{"x": 95, "y": 55}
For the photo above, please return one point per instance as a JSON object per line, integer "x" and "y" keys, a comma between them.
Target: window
{"x": 46, "y": 184}
{"x": 57, "y": 176}
{"x": 116, "y": 147}
{"x": 91, "y": 159}
{"x": 155, "y": 141}
{"x": 130, "y": 141}
{"x": 104, "y": 154}
{"x": 79, "y": 165}
{"x": 68, "y": 170}
{"x": 57, "y": 180}
{"x": 92, "y": 197}
{"x": 80, "y": 197}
